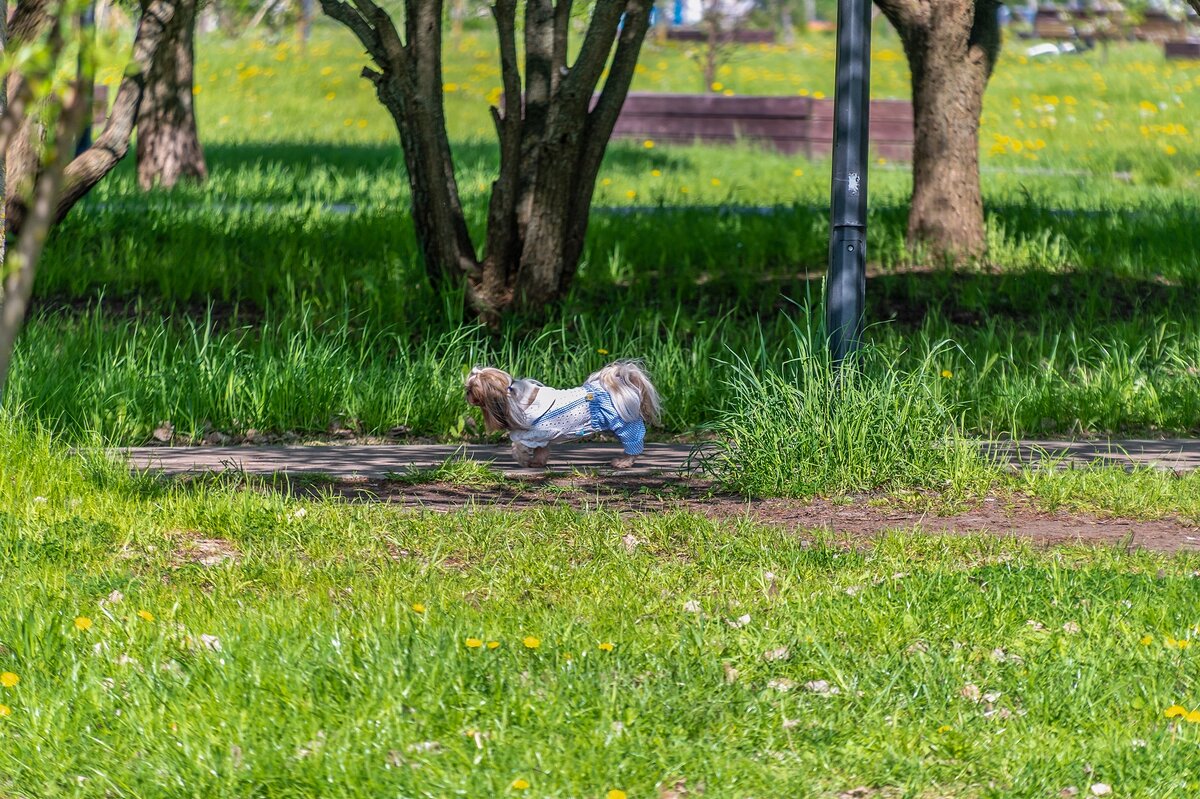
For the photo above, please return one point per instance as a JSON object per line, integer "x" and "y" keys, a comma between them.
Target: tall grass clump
{"x": 810, "y": 427}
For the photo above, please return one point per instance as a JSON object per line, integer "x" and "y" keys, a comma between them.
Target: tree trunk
{"x": 168, "y": 146}
{"x": 952, "y": 46}
{"x": 89, "y": 167}
{"x": 553, "y": 134}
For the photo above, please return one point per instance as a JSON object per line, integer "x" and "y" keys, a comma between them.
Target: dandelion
{"x": 145, "y": 615}
{"x": 330, "y": 96}
{"x": 1170, "y": 149}
{"x": 818, "y": 95}
{"x": 347, "y": 122}
{"x": 606, "y": 647}
{"x": 473, "y": 643}
{"x": 602, "y": 351}
{"x": 83, "y": 623}
{"x": 1193, "y": 717}
{"x": 945, "y": 728}
{"x": 1146, "y": 640}
{"x": 648, "y": 144}
{"x": 9, "y": 680}
{"x": 716, "y": 87}
{"x": 326, "y": 71}
{"x": 196, "y": 90}
{"x": 616, "y": 793}
{"x": 684, "y": 189}
{"x": 1175, "y": 710}
{"x": 882, "y": 161}
{"x": 362, "y": 123}
{"x": 606, "y": 182}
{"x": 716, "y": 181}
{"x": 418, "y": 608}
{"x": 631, "y": 194}
{"x": 947, "y": 374}
{"x": 531, "y": 642}
{"x": 520, "y": 785}
{"x": 493, "y": 644}
{"x": 656, "y": 173}
{"x": 450, "y": 87}
{"x": 797, "y": 173}
{"x": 5, "y": 710}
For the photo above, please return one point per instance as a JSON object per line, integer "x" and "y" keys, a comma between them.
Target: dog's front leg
{"x": 623, "y": 462}
{"x": 530, "y": 457}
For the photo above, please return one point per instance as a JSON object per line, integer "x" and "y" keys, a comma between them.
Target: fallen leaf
{"x": 739, "y": 622}
{"x": 1101, "y": 789}
{"x": 731, "y": 674}
{"x": 772, "y": 655}
{"x": 821, "y": 688}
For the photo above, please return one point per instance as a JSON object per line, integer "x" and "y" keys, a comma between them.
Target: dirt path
{"x": 358, "y": 460}
{"x": 863, "y": 516}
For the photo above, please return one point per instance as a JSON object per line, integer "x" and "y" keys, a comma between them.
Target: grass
{"x": 286, "y": 295}
{"x": 325, "y": 651}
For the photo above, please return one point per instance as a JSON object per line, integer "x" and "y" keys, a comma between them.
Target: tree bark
{"x": 168, "y": 146}
{"x": 952, "y": 46}
{"x": 553, "y": 133}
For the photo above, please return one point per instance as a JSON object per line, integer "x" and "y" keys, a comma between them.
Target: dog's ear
{"x": 488, "y": 391}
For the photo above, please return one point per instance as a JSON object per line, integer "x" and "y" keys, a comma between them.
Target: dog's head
{"x": 488, "y": 390}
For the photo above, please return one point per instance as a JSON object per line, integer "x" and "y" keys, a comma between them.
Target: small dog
{"x": 619, "y": 399}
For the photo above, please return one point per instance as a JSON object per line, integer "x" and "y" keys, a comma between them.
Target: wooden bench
{"x": 1187, "y": 49}
{"x": 801, "y": 125}
{"x": 1159, "y": 26}
{"x": 737, "y": 36}
{"x": 1054, "y": 24}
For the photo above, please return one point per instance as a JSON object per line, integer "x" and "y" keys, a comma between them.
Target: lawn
{"x": 285, "y": 296}
{"x": 230, "y": 640}
{"x": 232, "y": 637}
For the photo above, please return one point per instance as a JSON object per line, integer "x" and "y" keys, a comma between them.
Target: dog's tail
{"x": 633, "y": 395}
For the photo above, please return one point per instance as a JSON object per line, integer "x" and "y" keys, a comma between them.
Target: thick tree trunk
{"x": 552, "y": 139}
{"x": 168, "y": 146}
{"x": 952, "y": 46}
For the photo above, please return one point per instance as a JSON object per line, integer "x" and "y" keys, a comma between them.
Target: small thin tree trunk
{"x": 168, "y": 146}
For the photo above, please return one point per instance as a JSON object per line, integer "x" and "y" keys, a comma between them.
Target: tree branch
{"x": 579, "y": 84}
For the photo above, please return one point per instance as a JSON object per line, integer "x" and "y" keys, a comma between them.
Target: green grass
{"x": 254, "y": 303}
{"x": 329, "y": 682}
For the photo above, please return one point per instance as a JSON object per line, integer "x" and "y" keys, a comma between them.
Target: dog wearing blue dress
{"x": 619, "y": 399}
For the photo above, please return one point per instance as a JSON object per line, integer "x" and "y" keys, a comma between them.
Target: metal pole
{"x": 846, "y": 283}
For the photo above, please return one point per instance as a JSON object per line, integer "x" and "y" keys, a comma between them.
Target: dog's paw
{"x": 624, "y": 462}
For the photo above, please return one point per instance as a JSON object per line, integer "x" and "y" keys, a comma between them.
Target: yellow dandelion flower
{"x": 1175, "y": 710}
{"x": 606, "y": 647}
{"x": 493, "y": 644}
{"x": 9, "y": 680}
{"x": 631, "y": 194}
{"x": 616, "y": 793}
{"x": 5, "y": 710}
{"x": 881, "y": 161}
{"x": 450, "y": 87}
{"x": 1170, "y": 149}
{"x": 684, "y": 189}
{"x": 797, "y": 173}
{"x": 818, "y": 95}
{"x": 656, "y": 173}
{"x": 531, "y": 642}
{"x": 473, "y": 643}
{"x": 362, "y": 123}
{"x": 716, "y": 181}
{"x": 347, "y": 122}
{"x": 326, "y": 71}
{"x": 602, "y": 351}
{"x": 716, "y": 87}
{"x": 1184, "y": 643}
{"x": 803, "y": 92}
{"x": 648, "y": 144}
{"x": 1146, "y": 640}
{"x": 145, "y": 615}
{"x": 945, "y": 728}
{"x": 606, "y": 182}
{"x": 83, "y": 623}
{"x": 196, "y": 90}
{"x": 418, "y": 608}
{"x": 946, "y": 373}
{"x": 1193, "y": 717}
{"x": 520, "y": 785}
{"x": 330, "y": 96}
{"x": 1170, "y": 642}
